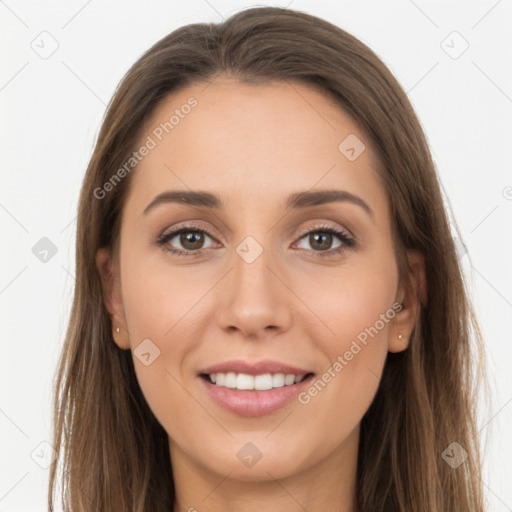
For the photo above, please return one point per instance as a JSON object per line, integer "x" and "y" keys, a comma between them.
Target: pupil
{"x": 327, "y": 240}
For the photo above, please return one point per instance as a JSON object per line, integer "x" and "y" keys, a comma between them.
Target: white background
{"x": 51, "y": 111}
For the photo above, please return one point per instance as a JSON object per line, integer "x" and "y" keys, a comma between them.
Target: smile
{"x": 263, "y": 382}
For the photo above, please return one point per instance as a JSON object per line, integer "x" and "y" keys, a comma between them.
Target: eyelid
{"x": 189, "y": 226}
{"x": 304, "y": 231}
{"x": 319, "y": 225}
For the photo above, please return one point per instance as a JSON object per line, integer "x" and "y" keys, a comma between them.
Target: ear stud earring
{"x": 117, "y": 329}
{"x": 400, "y": 337}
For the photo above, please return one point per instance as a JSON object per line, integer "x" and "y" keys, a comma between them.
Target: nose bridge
{"x": 251, "y": 261}
{"x": 254, "y": 298}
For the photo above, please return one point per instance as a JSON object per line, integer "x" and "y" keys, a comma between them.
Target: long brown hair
{"x": 113, "y": 453}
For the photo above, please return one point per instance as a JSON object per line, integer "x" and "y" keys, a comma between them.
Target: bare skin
{"x": 253, "y": 146}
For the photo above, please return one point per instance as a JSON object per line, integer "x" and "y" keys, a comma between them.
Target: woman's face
{"x": 274, "y": 274}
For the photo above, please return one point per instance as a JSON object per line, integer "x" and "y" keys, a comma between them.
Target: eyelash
{"x": 347, "y": 240}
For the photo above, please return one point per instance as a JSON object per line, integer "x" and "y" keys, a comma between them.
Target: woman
{"x": 269, "y": 311}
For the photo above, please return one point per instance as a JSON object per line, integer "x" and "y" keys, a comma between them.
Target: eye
{"x": 191, "y": 238}
{"x": 321, "y": 238}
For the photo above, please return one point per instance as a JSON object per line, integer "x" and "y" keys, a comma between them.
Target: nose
{"x": 255, "y": 298}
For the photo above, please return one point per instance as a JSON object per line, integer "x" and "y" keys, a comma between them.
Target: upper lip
{"x": 254, "y": 367}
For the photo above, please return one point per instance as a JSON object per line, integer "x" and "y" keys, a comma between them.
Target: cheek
{"x": 341, "y": 393}
{"x": 353, "y": 301}
{"x": 161, "y": 306}
{"x": 156, "y": 296}
{"x": 161, "y": 341}
{"x": 355, "y": 305}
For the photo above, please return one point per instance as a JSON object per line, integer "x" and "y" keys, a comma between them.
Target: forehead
{"x": 254, "y": 142}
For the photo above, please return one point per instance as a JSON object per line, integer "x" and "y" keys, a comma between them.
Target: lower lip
{"x": 252, "y": 402}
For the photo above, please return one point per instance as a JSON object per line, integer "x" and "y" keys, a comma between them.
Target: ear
{"x": 111, "y": 285}
{"x": 412, "y": 294}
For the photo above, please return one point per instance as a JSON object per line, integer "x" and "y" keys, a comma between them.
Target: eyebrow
{"x": 294, "y": 201}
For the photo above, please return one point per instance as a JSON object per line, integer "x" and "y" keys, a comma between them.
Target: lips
{"x": 254, "y": 388}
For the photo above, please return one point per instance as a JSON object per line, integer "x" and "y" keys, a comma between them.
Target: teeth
{"x": 262, "y": 382}
{"x": 244, "y": 381}
{"x": 278, "y": 380}
{"x": 289, "y": 379}
{"x": 230, "y": 380}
